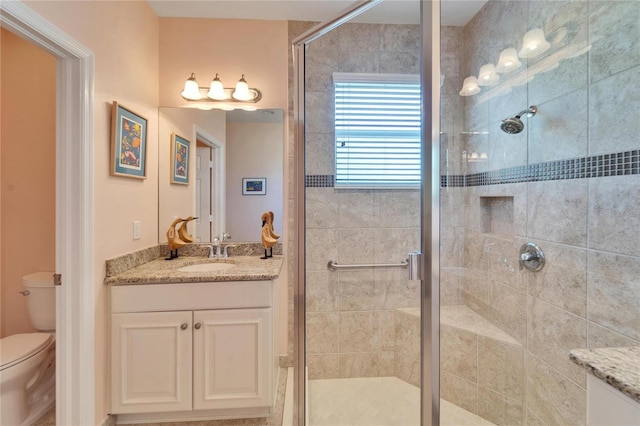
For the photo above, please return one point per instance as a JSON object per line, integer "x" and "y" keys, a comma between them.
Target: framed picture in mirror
{"x": 254, "y": 186}
{"x": 128, "y": 143}
{"x": 179, "y": 159}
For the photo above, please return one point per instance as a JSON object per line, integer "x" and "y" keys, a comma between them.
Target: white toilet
{"x": 27, "y": 361}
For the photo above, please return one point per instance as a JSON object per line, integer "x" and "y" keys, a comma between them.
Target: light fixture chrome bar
{"x": 229, "y": 98}
{"x": 333, "y": 265}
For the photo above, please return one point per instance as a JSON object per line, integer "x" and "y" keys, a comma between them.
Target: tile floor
{"x": 376, "y": 401}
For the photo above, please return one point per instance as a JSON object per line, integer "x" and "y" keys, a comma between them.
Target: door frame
{"x": 75, "y": 299}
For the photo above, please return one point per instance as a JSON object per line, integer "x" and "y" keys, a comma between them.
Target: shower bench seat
{"x": 476, "y": 356}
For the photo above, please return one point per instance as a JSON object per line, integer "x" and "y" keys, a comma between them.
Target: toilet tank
{"x": 41, "y": 300}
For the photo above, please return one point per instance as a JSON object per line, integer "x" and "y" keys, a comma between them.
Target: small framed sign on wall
{"x": 254, "y": 186}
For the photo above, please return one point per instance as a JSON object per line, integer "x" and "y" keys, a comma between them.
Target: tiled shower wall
{"x": 588, "y": 294}
{"x": 350, "y": 314}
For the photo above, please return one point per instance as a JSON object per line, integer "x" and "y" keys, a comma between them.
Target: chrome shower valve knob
{"x": 531, "y": 257}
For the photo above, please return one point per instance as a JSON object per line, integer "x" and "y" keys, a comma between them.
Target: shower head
{"x": 514, "y": 125}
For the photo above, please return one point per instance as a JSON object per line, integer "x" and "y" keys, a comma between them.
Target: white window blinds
{"x": 377, "y": 130}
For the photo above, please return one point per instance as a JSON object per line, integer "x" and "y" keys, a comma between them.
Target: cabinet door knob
{"x": 198, "y": 325}
{"x": 184, "y": 326}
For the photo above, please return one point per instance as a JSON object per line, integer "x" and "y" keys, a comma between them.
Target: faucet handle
{"x": 216, "y": 241}
{"x": 225, "y": 237}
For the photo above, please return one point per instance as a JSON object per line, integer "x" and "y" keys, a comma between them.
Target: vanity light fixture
{"x": 470, "y": 87}
{"x": 488, "y": 75}
{"x": 191, "y": 91}
{"x": 534, "y": 44}
{"x": 476, "y": 157}
{"x": 216, "y": 92}
{"x": 508, "y": 61}
{"x": 242, "y": 90}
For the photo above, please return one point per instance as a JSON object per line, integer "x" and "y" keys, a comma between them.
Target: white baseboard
{"x": 109, "y": 420}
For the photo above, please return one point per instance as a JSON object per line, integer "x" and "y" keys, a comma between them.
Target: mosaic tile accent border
{"x": 617, "y": 164}
{"x": 319, "y": 181}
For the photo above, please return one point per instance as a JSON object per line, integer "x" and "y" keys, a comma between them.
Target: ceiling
{"x": 454, "y": 12}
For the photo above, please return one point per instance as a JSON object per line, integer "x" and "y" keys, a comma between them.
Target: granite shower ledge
{"x": 619, "y": 367}
{"x": 161, "y": 271}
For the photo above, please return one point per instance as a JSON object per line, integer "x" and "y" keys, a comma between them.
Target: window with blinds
{"x": 377, "y": 130}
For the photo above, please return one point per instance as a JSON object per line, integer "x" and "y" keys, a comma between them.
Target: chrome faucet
{"x": 210, "y": 252}
{"x": 217, "y": 245}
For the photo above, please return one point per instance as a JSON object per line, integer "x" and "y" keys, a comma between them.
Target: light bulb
{"x": 191, "y": 90}
{"x": 470, "y": 87}
{"x": 488, "y": 75}
{"x": 508, "y": 61}
{"x": 242, "y": 90}
{"x": 216, "y": 90}
{"x": 534, "y": 44}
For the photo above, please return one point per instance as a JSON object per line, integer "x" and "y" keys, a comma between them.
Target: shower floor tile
{"x": 376, "y": 401}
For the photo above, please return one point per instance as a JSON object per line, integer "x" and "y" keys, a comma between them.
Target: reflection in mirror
{"x": 226, "y": 149}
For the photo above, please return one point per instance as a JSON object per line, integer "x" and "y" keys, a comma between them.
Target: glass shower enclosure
{"x": 526, "y": 212}
{"x": 361, "y": 179}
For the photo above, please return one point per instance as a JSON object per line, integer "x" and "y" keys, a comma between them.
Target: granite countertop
{"x": 619, "y": 367}
{"x": 161, "y": 271}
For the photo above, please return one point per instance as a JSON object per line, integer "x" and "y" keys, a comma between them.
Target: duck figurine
{"x": 269, "y": 237}
{"x": 173, "y": 240}
{"x": 183, "y": 233}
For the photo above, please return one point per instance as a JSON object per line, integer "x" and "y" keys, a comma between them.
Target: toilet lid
{"x": 16, "y": 348}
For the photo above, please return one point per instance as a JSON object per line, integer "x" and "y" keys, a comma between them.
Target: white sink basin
{"x": 207, "y": 267}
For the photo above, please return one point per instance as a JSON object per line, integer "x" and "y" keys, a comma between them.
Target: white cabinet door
{"x": 232, "y": 355}
{"x": 151, "y": 362}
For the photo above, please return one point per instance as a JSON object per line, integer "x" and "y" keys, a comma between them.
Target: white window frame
{"x": 382, "y": 79}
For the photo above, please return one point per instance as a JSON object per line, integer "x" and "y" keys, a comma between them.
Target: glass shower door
{"x": 361, "y": 169}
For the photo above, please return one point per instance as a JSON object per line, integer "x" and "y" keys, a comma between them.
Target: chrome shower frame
{"x": 430, "y": 205}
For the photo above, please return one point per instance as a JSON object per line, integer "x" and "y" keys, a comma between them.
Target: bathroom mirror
{"x": 234, "y": 169}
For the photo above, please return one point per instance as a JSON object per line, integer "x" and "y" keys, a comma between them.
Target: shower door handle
{"x": 415, "y": 265}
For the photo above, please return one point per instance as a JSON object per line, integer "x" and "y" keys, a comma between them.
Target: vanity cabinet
{"x": 231, "y": 358}
{"x": 192, "y": 351}
{"x": 151, "y": 361}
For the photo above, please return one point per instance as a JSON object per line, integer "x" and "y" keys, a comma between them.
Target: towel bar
{"x": 333, "y": 265}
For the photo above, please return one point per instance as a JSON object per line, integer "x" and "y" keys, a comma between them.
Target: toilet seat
{"x": 18, "y": 347}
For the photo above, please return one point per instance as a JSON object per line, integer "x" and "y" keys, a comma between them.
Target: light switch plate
{"x": 137, "y": 230}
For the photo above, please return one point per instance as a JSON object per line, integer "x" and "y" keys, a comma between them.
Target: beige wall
{"x": 253, "y": 150}
{"x": 27, "y": 147}
{"x": 257, "y": 49}
{"x": 124, "y": 38}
